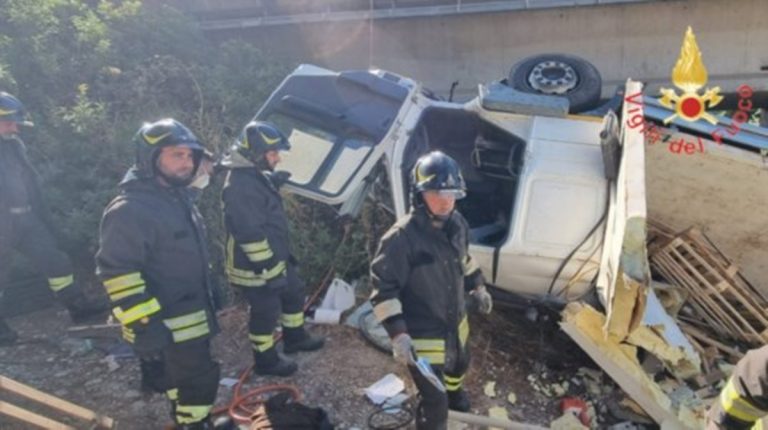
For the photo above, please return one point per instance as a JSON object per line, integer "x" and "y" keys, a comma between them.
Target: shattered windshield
{"x": 319, "y": 158}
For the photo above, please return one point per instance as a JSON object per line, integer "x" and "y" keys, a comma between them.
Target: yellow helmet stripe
{"x": 154, "y": 139}
{"x": 269, "y": 141}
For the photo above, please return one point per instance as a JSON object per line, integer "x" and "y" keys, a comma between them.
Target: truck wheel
{"x": 561, "y": 75}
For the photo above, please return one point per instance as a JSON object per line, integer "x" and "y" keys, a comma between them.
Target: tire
{"x": 559, "y": 74}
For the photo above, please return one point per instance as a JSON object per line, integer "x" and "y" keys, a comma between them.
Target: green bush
{"x": 90, "y": 72}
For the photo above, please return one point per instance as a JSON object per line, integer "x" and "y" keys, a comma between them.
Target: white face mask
{"x": 201, "y": 181}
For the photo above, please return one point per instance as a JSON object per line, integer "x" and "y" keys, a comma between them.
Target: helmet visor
{"x": 456, "y": 193}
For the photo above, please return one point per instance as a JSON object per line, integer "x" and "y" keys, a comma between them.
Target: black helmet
{"x": 12, "y": 110}
{"x": 152, "y": 137}
{"x": 437, "y": 172}
{"x": 257, "y": 138}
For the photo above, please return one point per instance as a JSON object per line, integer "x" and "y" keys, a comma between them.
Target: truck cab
{"x": 536, "y": 184}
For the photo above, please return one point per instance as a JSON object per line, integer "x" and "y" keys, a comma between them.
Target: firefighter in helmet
{"x": 259, "y": 260}
{"x": 23, "y": 221}
{"x": 420, "y": 274}
{"x": 153, "y": 261}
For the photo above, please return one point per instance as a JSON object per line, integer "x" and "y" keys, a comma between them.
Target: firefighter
{"x": 153, "y": 262}
{"x": 743, "y": 402}
{"x": 259, "y": 262}
{"x": 420, "y": 275}
{"x": 23, "y": 226}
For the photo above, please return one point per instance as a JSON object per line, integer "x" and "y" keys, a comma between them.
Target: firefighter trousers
{"x": 30, "y": 236}
{"x": 193, "y": 379}
{"x": 432, "y": 410}
{"x": 268, "y": 306}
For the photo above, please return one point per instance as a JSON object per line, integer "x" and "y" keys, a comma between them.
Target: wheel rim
{"x": 553, "y": 77}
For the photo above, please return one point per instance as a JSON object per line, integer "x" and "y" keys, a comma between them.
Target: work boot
{"x": 458, "y": 400}
{"x": 298, "y": 339}
{"x": 270, "y": 362}
{"x": 7, "y": 335}
{"x": 83, "y": 309}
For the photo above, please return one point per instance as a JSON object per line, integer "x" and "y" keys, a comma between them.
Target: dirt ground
{"x": 506, "y": 348}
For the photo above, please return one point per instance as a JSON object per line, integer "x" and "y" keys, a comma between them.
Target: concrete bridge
{"x": 473, "y": 41}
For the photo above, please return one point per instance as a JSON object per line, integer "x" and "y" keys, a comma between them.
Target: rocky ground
{"x": 531, "y": 361}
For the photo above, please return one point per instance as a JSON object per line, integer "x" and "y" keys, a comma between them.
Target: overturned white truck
{"x": 556, "y": 201}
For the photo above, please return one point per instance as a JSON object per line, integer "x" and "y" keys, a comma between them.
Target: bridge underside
{"x": 473, "y": 41}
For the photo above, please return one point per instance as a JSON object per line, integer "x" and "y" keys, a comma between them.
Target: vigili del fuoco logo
{"x": 690, "y": 76}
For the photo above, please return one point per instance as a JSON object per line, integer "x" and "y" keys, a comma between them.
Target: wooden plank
{"x": 703, "y": 338}
{"x": 31, "y": 417}
{"x": 55, "y": 402}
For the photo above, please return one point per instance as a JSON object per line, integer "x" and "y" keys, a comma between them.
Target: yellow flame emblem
{"x": 690, "y": 76}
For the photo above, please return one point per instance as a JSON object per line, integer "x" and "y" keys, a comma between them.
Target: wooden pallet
{"x": 721, "y": 297}
{"x": 659, "y": 235}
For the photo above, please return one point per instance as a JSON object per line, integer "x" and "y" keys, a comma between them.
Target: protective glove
{"x": 483, "y": 299}
{"x": 402, "y": 349}
{"x": 151, "y": 340}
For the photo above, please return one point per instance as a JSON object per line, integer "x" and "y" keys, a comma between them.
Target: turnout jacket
{"x": 153, "y": 261}
{"x": 420, "y": 274}
{"x": 19, "y": 184}
{"x": 743, "y": 402}
{"x": 258, "y": 241}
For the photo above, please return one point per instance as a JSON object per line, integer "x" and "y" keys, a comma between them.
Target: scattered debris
{"x": 228, "y": 382}
{"x": 490, "y": 389}
{"x": 512, "y": 398}
{"x": 626, "y": 409}
{"x": 112, "y": 363}
{"x": 497, "y": 412}
{"x": 585, "y": 325}
{"x": 339, "y": 297}
{"x": 626, "y": 425}
{"x": 578, "y": 408}
{"x": 567, "y": 422}
{"x": 385, "y": 388}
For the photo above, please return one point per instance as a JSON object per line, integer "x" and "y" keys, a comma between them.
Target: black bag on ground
{"x": 280, "y": 412}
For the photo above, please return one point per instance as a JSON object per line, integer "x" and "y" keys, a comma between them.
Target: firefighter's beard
{"x": 176, "y": 181}
{"x": 176, "y": 178}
